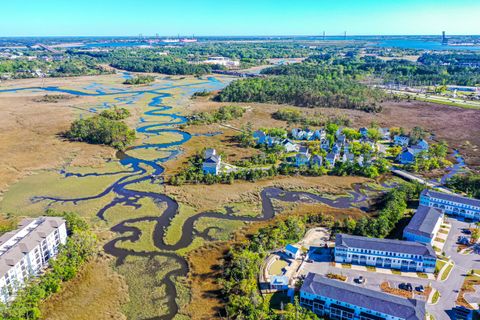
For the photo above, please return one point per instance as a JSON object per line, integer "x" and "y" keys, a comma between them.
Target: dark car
{"x": 420, "y": 288}
{"x": 467, "y": 231}
{"x": 406, "y": 286}
{"x": 360, "y": 280}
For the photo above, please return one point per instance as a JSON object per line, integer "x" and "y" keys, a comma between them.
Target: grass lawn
{"x": 440, "y": 240}
{"x": 422, "y": 275}
{"x": 346, "y": 266}
{"x": 435, "y": 297}
{"x": 397, "y": 272}
{"x": 276, "y": 268}
{"x": 443, "y": 231}
{"x": 370, "y": 268}
{"x": 447, "y": 272}
{"x": 439, "y": 265}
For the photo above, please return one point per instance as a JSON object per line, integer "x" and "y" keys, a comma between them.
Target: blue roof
{"x": 279, "y": 280}
{"x": 291, "y": 248}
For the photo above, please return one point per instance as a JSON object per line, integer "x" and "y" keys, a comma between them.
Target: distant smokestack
{"x": 444, "y": 38}
{"x": 323, "y": 35}
{"x": 345, "y": 35}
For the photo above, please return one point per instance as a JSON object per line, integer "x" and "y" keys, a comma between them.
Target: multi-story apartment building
{"x": 385, "y": 253}
{"x": 424, "y": 225}
{"x": 25, "y": 251}
{"x": 451, "y": 204}
{"x": 339, "y": 300}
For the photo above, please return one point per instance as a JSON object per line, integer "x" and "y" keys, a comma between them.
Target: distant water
{"x": 421, "y": 45}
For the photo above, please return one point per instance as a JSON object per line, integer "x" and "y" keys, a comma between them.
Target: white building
{"x": 451, "y": 204}
{"x": 340, "y": 300}
{"x": 401, "y": 140}
{"x": 424, "y": 225}
{"x": 385, "y": 253}
{"x": 222, "y": 61}
{"x": 25, "y": 251}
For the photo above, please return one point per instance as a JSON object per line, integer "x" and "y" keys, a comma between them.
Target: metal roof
{"x": 409, "y": 309}
{"x": 424, "y": 221}
{"x": 451, "y": 197}
{"x": 388, "y": 245}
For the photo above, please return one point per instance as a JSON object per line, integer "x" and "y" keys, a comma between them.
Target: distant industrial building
{"x": 222, "y": 61}
{"x": 424, "y": 225}
{"x": 385, "y": 253}
{"x": 339, "y": 300}
{"x": 451, "y": 204}
{"x": 25, "y": 251}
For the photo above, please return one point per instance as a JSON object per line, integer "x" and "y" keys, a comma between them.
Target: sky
{"x": 237, "y": 17}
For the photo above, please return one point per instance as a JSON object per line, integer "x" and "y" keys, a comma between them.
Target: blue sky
{"x": 239, "y": 17}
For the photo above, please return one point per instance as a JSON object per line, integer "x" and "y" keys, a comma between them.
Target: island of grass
{"x": 140, "y": 79}
{"x": 104, "y": 128}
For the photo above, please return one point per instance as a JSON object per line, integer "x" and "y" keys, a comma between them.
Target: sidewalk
{"x": 387, "y": 271}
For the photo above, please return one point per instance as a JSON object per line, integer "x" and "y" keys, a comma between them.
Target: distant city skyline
{"x": 245, "y": 18}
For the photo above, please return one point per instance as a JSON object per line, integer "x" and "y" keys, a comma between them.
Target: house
{"x": 331, "y": 158}
{"x": 385, "y": 132}
{"x": 408, "y": 155}
{"x": 316, "y": 160}
{"x": 292, "y": 251}
{"x": 212, "y": 162}
{"x": 423, "y": 145}
{"x": 222, "y": 61}
{"x": 424, "y": 225}
{"x": 297, "y": 133}
{"x": 325, "y": 144}
{"x": 400, "y": 140}
{"x": 336, "y": 148}
{"x": 336, "y": 299}
{"x": 363, "y": 132}
{"x": 451, "y": 204}
{"x": 385, "y": 253}
{"x": 25, "y": 252}
{"x": 279, "y": 283}
{"x": 348, "y": 157}
{"x": 341, "y": 139}
{"x": 302, "y": 158}
{"x": 259, "y": 136}
{"x": 289, "y": 145}
{"x": 320, "y": 134}
{"x": 360, "y": 160}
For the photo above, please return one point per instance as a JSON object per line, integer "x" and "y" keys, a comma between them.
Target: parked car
{"x": 467, "y": 231}
{"x": 406, "y": 286}
{"x": 360, "y": 280}
{"x": 420, "y": 288}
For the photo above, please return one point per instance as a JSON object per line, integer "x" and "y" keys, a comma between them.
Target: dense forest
{"x": 18, "y": 69}
{"x": 469, "y": 183}
{"x": 104, "y": 128}
{"x": 430, "y": 69}
{"x": 304, "y": 92}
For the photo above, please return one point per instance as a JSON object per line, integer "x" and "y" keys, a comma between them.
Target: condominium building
{"x": 339, "y": 300}
{"x": 385, "y": 253}
{"x": 451, "y": 204}
{"x": 25, "y": 251}
{"x": 424, "y": 225}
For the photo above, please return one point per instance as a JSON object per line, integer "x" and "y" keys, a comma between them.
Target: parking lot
{"x": 321, "y": 263}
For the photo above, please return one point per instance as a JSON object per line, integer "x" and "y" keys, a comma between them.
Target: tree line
{"x": 224, "y": 113}
{"x": 104, "y": 128}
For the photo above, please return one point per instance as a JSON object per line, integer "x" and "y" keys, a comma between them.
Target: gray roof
{"x": 409, "y": 309}
{"x": 11, "y": 256}
{"x": 390, "y": 245}
{"x": 451, "y": 197}
{"x": 424, "y": 221}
